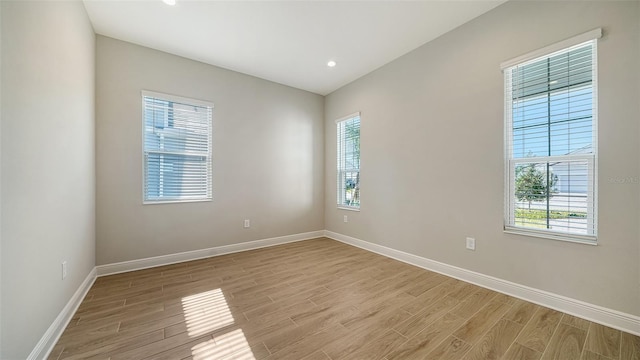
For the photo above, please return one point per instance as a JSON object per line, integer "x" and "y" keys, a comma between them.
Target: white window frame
{"x": 341, "y": 169}
{"x": 208, "y": 154}
{"x": 591, "y": 159}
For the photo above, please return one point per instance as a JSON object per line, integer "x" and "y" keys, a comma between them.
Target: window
{"x": 550, "y": 112}
{"x": 177, "y": 148}
{"x": 348, "y": 130}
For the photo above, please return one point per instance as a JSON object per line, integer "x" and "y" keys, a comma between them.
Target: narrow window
{"x": 348, "y": 130}
{"x": 551, "y": 140}
{"x": 177, "y": 149}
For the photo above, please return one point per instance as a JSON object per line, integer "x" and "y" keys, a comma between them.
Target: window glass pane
{"x": 156, "y": 113}
{"x": 551, "y": 102}
{"x": 531, "y": 141}
{"x": 554, "y": 196}
{"x": 351, "y": 181}
{"x": 558, "y": 123}
{"x": 348, "y": 161}
{"x": 177, "y": 150}
{"x": 548, "y": 74}
{"x": 176, "y": 176}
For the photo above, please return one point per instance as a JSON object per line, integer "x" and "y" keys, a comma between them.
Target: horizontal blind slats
{"x": 177, "y": 150}
{"x": 550, "y": 148}
{"x": 348, "y": 162}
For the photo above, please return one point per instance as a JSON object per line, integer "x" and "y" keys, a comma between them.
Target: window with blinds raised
{"x": 348, "y": 139}
{"x": 177, "y": 149}
{"x": 550, "y": 113}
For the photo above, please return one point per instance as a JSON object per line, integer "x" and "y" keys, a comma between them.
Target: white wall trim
{"x": 598, "y": 314}
{"x": 44, "y": 347}
{"x": 139, "y": 264}
{"x": 548, "y": 50}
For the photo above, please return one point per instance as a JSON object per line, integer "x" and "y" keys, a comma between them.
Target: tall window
{"x": 348, "y": 130}
{"x": 177, "y": 148}
{"x": 551, "y": 144}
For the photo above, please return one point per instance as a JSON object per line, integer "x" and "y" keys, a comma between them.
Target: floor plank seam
{"x": 584, "y": 343}
{"x": 504, "y": 356}
{"x": 440, "y": 343}
{"x": 584, "y": 346}
{"x": 619, "y": 348}
{"x": 522, "y": 327}
{"x": 325, "y": 354}
{"x": 515, "y": 342}
{"x": 396, "y": 331}
{"x": 533, "y": 316}
{"x": 480, "y": 337}
{"x": 60, "y": 355}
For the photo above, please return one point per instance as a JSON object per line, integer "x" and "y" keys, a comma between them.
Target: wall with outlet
{"x": 432, "y": 152}
{"x": 47, "y": 168}
{"x": 267, "y": 157}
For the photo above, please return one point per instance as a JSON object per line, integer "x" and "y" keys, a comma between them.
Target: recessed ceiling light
{"x": 553, "y": 82}
{"x": 169, "y": 2}
{"x": 331, "y": 63}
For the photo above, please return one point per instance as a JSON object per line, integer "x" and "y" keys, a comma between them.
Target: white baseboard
{"x": 50, "y": 338}
{"x": 608, "y": 317}
{"x": 115, "y": 268}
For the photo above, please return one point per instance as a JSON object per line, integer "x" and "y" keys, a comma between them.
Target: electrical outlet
{"x": 346, "y": 219}
{"x": 471, "y": 243}
{"x": 64, "y": 270}
{"x": 247, "y": 223}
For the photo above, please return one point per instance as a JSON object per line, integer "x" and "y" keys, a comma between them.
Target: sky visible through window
{"x": 552, "y": 116}
{"x": 558, "y": 124}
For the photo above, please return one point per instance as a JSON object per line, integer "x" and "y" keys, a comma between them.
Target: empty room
{"x": 320, "y": 180}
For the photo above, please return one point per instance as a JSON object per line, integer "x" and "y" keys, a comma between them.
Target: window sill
{"x": 580, "y": 239}
{"x": 153, "y": 202}
{"x": 348, "y": 208}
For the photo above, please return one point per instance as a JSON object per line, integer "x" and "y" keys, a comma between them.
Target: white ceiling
{"x": 288, "y": 42}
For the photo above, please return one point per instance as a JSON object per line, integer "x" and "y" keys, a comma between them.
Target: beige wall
{"x": 638, "y": 103}
{"x": 267, "y": 157}
{"x": 432, "y": 152}
{"x": 47, "y": 165}
{"x": 1, "y": 311}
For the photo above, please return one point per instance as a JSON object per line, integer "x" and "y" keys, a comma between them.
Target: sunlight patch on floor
{"x": 205, "y": 312}
{"x": 231, "y": 345}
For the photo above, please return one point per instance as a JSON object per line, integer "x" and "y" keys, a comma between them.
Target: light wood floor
{"x": 320, "y": 299}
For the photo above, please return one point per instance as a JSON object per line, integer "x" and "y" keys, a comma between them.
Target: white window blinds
{"x": 348, "y": 140}
{"x": 550, "y": 112}
{"x": 177, "y": 148}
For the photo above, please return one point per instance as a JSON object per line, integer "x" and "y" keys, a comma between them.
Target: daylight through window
{"x": 551, "y": 144}
{"x": 177, "y": 149}
{"x": 348, "y": 130}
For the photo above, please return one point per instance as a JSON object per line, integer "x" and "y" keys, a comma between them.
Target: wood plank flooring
{"x": 320, "y": 300}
